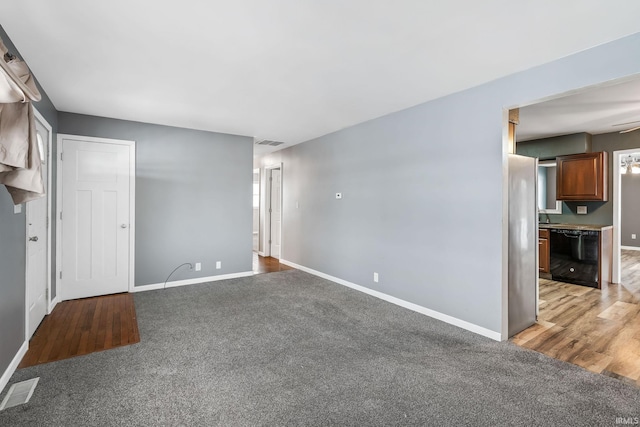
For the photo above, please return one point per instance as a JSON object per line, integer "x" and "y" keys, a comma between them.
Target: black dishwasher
{"x": 574, "y": 256}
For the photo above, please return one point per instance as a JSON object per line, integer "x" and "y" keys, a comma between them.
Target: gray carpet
{"x": 289, "y": 348}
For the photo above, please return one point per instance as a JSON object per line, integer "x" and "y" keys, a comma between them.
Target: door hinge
{"x": 61, "y": 157}
{"x": 61, "y": 274}
{"x": 60, "y": 215}
{"x": 269, "y": 210}
{"x": 269, "y": 241}
{"x": 46, "y": 294}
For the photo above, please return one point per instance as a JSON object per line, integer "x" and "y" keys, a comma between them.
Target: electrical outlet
{"x": 198, "y": 266}
{"x": 218, "y": 265}
{"x": 633, "y": 236}
{"x": 375, "y": 277}
{"x": 17, "y": 209}
{"x": 582, "y": 210}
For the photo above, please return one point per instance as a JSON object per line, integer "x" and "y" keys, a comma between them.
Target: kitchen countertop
{"x": 576, "y": 226}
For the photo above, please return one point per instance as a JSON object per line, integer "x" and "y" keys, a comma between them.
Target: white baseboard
{"x": 53, "y": 304}
{"x": 4, "y": 380}
{"x": 402, "y": 303}
{"x": 191, "y": 281}
{"x": 630, "y": 248}
{"x": 260, "y": 253}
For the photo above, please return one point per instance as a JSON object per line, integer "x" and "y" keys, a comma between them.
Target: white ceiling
{"x": 290, "y": 70}
{"x": 603, "y": 109}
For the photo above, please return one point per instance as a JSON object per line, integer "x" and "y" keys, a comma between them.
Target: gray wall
{"x": 12, "y": 252}
{"x": 550, "y": 148}
{"x": 630, "y": 209}
{"x": 423, "y": 190}
{"x": 193, "y": 196}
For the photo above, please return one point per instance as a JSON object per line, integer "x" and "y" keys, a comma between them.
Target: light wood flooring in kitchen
{"x": 596, "y": 329}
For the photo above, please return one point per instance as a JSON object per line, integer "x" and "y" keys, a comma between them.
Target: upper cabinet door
{"x": 582, "y": 177}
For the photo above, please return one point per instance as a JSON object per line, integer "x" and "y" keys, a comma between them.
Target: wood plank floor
{"x": 84, "y": 326}
{"x": 268, "y": 264}
{"x": 596, "y": 329}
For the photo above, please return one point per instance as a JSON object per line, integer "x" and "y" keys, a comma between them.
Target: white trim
{"x": 46, "y": 124}
{"x": 132, "y": 203}
{"x": 617, "y": 219}
{"x": 195, "y": 281}
{"x": 57, "y": 217}
{"x": 95, "y": 139}
{"x": 4, "y": 380}
{"x": 49, "y": 129}
{"x": 261, "y": 253}
{"x": 132, "y": 216}
{"x": 53, "y": 303}
{"x": 258, "y": 171}
{"x": 504, "y": 289}
{"x": 630, "y": 248}
{"x": 402, "y": 303}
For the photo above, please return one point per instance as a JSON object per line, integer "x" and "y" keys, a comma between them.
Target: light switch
{"x": 338, "y": 195}
{"x": 17, "y": 209}
{"x": 582, "y": 210}
{"x": 633, "y": 236}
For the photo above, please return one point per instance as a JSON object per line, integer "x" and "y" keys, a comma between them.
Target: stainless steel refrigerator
{"x": 523, "y": 243}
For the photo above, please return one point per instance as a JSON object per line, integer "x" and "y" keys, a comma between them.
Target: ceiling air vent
{"x": 267, "y": 142}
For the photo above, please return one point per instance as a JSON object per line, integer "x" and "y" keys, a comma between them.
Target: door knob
{"x": 123, "y": 225}
{"x": 33, "y": 239}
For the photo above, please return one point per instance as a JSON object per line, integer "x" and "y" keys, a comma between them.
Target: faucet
{"x": 548, "y": 221}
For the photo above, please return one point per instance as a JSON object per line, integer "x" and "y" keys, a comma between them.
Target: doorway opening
{"x": 267, "y": 258}
{"x": 590, "y": 319}
{"x": 256, "y": 211}
{"x": 626, "y": 213}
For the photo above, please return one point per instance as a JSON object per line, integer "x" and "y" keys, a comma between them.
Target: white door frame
{"x": 257, "y": 171}
{"x": 132, "y": 205}
{"x": 50, "y": 303}
{"x": 266, "y": 249}
{"x": 617, "y": 211}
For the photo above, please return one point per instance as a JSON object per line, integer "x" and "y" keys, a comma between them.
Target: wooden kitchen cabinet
{"x": 582, "y": 177}
{"x": 543, "y": 251}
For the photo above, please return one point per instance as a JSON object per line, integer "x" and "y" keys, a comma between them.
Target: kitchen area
{"x": 574, "y": 253}
{"x": 588, "y": 199}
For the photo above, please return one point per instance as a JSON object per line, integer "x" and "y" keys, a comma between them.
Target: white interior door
{"x": 96, "y": 235}
{"x": 276, "y": 213}
{"x": 37, "y": 242}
